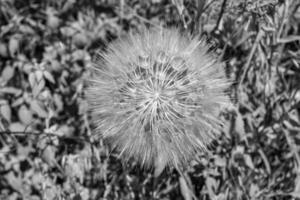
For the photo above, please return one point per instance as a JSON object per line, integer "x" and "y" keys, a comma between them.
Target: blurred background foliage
{"x": 46, "y": 149}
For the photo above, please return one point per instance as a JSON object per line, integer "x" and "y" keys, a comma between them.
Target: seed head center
{"x": 156, "y": 95}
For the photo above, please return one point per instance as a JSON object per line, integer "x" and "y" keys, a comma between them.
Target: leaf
{"x": 51, "y": 193}
{"x": 297, "y": 185}
{"x": 5, "y": 111}
{"x": 184, "y": 189}
{"x": 83, "y": 107}
{"x": 17, "y": 127}
{"x": 68, "y": 31}
{"x": 25, "y": 29}
{"x": 221, "y": 162}
{"x": 248, "y": 161}
{"x": 254, "y": 189}
{"x": 81, "y": 40}
{"x": 290, "y": 38}
{"x": 14, "y": 181}
{"x": 38, "y": 108}
{"x": 294, "y": 117}
{"x": 49, "y": 155}
{"x": 38, "y": 87}
{"x": 79, "y": 55}
{"x": 77, "y": 197}
{"x": 24, "y": 151}
{"x": 160, "y": 163}
{"x": 31, "y": 79}
{"x": 56, "y": 66}
{"x": 37, "y": 82}
{"x": 49, "y": 77}
{"x": 25, "y": 115}
{"x": 74, "y": 167}
{"x": 11, "y": 90}
{"x": 39, "y": 75}
{"x": 3, "y": 50}
{"x": 58, "y": 102}
{"x": 17, "y": 102}
{"x": 211, "y": 184}
{"x": 239, "y": 126}
{"x": 65, "y": 130}
{"x": 53, "y": 21}
{"x": 13, "y": 46}
{"x": 85, "y": 194}
{"x": 27, "y": 68}
{"x": 68, "y": 5}
{"x": 7, "y": 73}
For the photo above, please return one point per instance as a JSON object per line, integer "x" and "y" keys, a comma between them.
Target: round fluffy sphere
{"x": 156, "y": 96}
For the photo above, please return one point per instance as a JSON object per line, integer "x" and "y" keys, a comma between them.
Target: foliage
{"x": 46, "y": 148}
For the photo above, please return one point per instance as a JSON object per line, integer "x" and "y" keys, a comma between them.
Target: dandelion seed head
{"x": 156, "y": 96}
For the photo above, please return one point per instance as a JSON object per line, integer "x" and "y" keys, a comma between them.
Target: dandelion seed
{"x": 156, "y": 97}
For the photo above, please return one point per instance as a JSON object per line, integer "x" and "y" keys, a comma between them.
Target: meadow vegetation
{"x": 46, "y": 145}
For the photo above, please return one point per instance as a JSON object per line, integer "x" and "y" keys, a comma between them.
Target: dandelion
{"x": 155, "y": 97}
